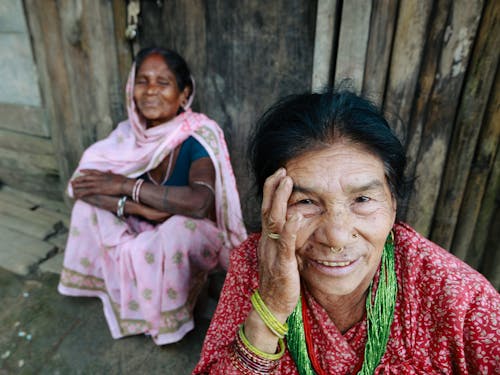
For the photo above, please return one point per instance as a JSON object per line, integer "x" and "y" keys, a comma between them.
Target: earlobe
{"x": 395, "y": 207}
{"x": 185, "y": 96}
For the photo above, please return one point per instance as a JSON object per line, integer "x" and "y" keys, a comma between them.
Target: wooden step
{"x": 31, "y": 223}
{"x": 54, "y": 264}
{"x": 20, "y": 252}
{"x": 32, "y": 201}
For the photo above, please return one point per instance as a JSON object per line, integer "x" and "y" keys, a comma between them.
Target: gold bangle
{"x": 267, "y": 316}
{"x": 258, "y": 352}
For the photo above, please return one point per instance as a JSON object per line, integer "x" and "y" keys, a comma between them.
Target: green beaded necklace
{"x": 379, "y": 313}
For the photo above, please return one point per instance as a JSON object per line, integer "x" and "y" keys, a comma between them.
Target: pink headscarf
{"x": 132, "y": 149}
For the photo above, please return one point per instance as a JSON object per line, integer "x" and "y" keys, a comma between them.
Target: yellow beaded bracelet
{"x": 267, "y": 316}
{"x": 258, "y": 352}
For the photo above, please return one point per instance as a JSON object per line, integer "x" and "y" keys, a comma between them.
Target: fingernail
{"x": 280, "y": 172}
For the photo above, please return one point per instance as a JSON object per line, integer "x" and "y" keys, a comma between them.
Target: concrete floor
{"x": 43, "y": 332}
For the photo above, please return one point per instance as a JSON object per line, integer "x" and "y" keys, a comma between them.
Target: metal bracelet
{"x": 208, "y": 186}
{"x": 120, "y": 208}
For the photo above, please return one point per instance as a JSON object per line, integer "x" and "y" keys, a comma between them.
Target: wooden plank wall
{"x": 243, "y": 54}
{"x": 81, "y": 63}
{"x": 433, "y": 66}
{"x": 27, "y": 156}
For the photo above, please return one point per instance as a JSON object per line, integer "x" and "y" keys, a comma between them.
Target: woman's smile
{"x": 348, "y": 210}
{"x": 151, "y": 103}
{"x": 156, "y": 92}
{"x": 335, "y": 268}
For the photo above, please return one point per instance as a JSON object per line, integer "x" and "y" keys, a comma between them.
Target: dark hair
{"x": 174, "y": 61}
{"x": 301, "y": 123}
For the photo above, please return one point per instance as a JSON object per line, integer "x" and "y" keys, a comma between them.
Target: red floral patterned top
{"x": 446, "y": 317}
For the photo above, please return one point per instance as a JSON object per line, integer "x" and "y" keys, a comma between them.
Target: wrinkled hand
{"x": 279, "y": 279}
{"x": 94, "y": 182}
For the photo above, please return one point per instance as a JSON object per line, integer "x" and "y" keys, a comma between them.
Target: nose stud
{"x": 336, "y": 250}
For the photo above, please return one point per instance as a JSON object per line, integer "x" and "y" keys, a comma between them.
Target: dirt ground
{"x": 43, "y": 332}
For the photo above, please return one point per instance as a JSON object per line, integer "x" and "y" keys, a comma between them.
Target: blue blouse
{"x": 191, "y": 150}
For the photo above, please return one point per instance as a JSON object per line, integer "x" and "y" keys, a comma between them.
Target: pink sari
{"x": 148, "y": 277}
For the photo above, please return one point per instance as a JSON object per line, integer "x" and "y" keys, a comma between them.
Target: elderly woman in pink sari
{"x": 156, "y": 208}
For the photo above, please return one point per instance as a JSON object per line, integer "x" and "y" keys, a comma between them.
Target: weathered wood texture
{"x": 437, "y": 78}
{"x": 353, "y": 43}
{"x": 382, "y": 28}
{"x": 244, "y": 55}
{"x": 79, "y": 64}
{"x": 327, "y": 26}
{"x": 24, "y": 119}
{"x": 27, "y": 157}
{"x": 477, "y": 231}
{"x": 32, "y": 228}
{"x": 35, "y": 157}
{"x": 431, "y": 65}
{"x": 406, "y": 58}
{"x": 448, "y": 49}
{"x": 469, "y": 122}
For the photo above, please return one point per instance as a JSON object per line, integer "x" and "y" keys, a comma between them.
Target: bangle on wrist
{"x": 249, "y": 362}
{"x": 277, "y": 328}
{"x": 137, "y": 189}
{"x": 257, "y": 351}
{"x": 120, "y": 208}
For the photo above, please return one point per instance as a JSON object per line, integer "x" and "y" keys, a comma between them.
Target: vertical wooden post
{"x": 324, "y": 40}
{"x": 382, "y": 25}
{"x": 480, "y": 196}
{"x": 74, "y": 44}
{"x": 51, "y": 64}
{"x": 406, "y": 59}
{"x": 446, "y": 60}
{"x": 353, "y": 41}
{"x": 478, "y": 83}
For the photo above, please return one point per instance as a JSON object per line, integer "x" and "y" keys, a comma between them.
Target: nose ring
{"x": 336, "y": 250}
{"x": 354, "y": 235}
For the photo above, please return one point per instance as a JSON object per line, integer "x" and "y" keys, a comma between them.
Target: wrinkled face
{"x": 346, "y": 202}
{"x": 156, "y": 93}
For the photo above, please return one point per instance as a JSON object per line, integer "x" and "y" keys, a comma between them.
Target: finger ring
{"x": 273, "y": 236}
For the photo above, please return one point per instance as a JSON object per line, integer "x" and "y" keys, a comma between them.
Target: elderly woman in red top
{"x": 334, "y": 284}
